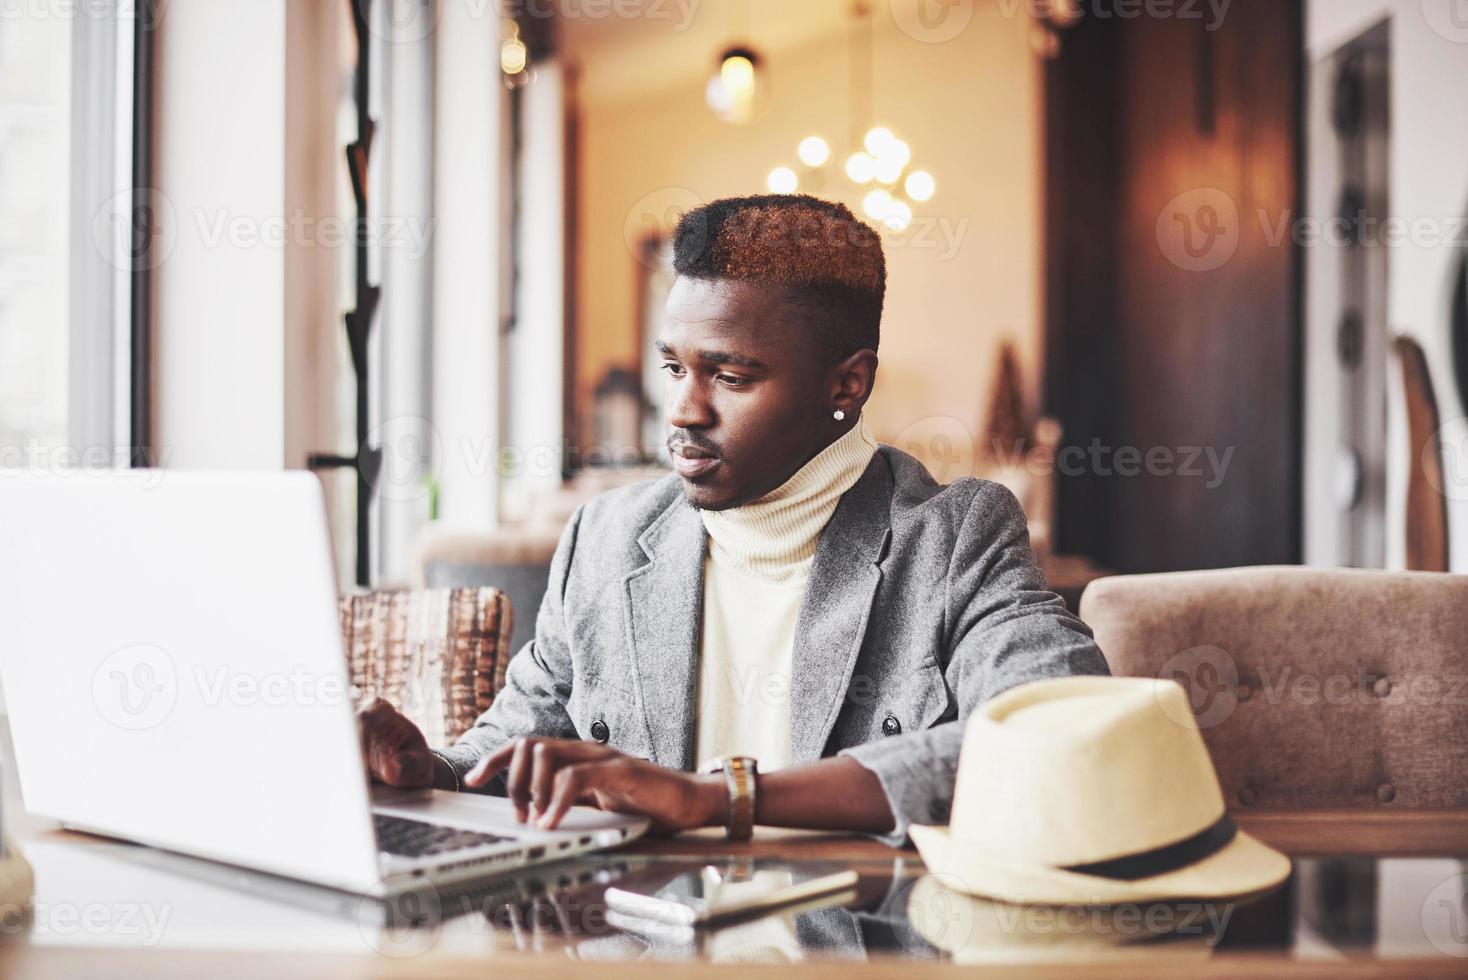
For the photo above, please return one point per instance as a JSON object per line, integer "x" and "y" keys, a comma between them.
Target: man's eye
{"x": 732, "y": 381}
{"x": 673, "y": 368}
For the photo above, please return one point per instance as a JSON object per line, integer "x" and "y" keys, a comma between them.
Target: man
{"x": 793, "y": 599}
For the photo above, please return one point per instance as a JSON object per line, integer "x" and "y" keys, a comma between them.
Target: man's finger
{"x": 570, "y": 784}
{"x": 369, "y": 721}
{"x": 408, "y": 770}
{"x": 544, "y": 764}
{"x": 517, "y": 784}
{"x": 382, "y": 763}
{"x": 382, "y": 724}
{"x": 552, "y": 755}
{"x": 503, "y": 757}
{"x": 490, "y": 766}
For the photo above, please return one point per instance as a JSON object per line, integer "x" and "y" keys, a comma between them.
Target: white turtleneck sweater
{"x": 758, "y": 563}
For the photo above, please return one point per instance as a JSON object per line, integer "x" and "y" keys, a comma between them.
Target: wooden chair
{"x": 438, "y": 654}
{"x": 1318, "y": 691}
{"x": 1426, "y": 536}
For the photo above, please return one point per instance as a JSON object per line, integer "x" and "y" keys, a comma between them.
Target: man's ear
{"x": 852, "y": 380}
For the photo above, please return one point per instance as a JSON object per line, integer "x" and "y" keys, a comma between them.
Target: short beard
{"x": 688, "y": 497}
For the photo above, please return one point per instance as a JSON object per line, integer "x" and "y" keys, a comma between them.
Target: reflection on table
{"x": 103, "y": 894}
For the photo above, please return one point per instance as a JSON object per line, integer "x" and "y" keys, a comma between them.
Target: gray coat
{"x": 924, "y": 601}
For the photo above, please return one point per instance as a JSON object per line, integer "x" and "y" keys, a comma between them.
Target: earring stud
{"x": 838, "y": 415}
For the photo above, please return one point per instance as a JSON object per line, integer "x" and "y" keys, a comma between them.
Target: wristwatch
{"x": 739, "y": 771}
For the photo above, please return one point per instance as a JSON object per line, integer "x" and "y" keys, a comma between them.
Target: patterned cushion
{"x": 1314, "y": 687}
{"x": 438, "y": 654}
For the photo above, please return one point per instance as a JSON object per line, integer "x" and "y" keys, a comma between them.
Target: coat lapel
{"x": 664, "y": 609}
{"x": 833, "y": 616}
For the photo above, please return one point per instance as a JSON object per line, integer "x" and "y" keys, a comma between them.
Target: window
{"x": 65, "y": 203}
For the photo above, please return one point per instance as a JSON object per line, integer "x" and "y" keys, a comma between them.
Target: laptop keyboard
{"x": 414, "y": 838}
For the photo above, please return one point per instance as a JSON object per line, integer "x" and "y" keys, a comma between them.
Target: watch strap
{"x": 739, "y": 772}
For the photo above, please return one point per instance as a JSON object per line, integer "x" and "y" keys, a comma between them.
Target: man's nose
{"x": 689, "y": 407}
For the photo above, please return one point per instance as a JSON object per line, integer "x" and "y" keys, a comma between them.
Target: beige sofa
{"x": 1314, "y": 688}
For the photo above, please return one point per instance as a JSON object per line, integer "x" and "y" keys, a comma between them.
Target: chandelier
{"x": 878, "y": 160}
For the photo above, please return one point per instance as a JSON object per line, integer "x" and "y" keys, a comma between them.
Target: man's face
{"x": 748, "y": 393}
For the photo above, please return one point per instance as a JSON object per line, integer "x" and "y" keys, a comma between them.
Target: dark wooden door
{"x": 1173, "y": 287}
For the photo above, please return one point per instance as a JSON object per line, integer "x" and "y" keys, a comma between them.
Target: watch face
{"x": 725, "y": 761}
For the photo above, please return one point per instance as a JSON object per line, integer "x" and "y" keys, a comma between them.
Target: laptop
{"x": 173, "y": 672}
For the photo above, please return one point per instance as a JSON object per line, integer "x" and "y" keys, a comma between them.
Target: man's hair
{"x": 829, "y": 263}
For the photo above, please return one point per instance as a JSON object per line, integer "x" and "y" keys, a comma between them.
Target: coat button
{"x": 891, "y": 726}
{"x": 600, "y": 732}
{"x": 1386, "y": 792}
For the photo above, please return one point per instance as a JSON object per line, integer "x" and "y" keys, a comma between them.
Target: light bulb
{"x": 898, "y": 216}
{"x": 734, "y": 86}
{"x": 900, "y": 152}
{"x": 878, "y": 139}
{"x": 718, "y": 97}
{"x": 859, "y": 167}
{"x": 782, "y": 180}
{"x": 737, "y": 73}
{"x": 920, "y": 185}
{"x": 513, "y": 56}
{"x": 877, "y": 204}
{"x": 888, "y": 169}
{"x": 814, "y": 151}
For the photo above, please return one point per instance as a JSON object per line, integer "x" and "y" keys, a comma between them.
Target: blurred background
{"x": 1188, "y": 275}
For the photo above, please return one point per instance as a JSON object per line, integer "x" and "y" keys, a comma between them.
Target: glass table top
{"x": 1356, "y": 907}
{"x": 113, "y": 894}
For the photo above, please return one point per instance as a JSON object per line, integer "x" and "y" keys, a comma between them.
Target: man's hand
{"x": 548, "y": 776}
{"x": 394, "y": 749}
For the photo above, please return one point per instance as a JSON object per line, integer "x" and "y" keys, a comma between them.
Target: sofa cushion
{"x": 1313, "y": 687}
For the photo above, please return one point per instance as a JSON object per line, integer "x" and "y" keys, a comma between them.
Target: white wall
{"x": 218, "y": 336}
{"x": 467, "y": 289}
{"x": 245, "y": 305}
{"x": 1429, "y": 180}
{"x": 535, "y": 349}
{"x": 315, "y": 47}
{"x": 404, "y": 198}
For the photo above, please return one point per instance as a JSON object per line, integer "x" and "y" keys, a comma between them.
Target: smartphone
{"x": 716, "y": 893}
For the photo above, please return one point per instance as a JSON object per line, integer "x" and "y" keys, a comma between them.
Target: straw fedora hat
{"x": 1092, "y": 791}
